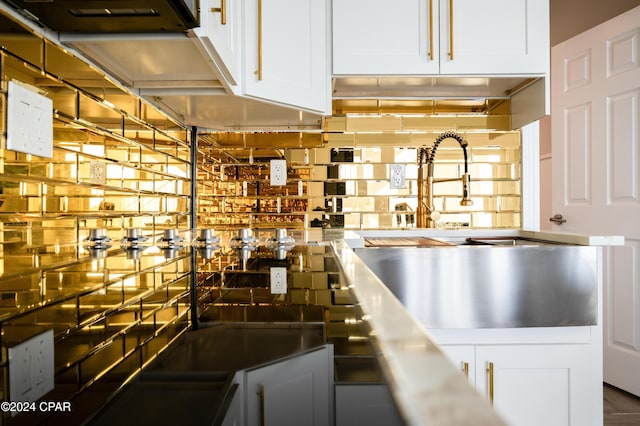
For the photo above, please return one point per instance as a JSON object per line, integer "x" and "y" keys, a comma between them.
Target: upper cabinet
{"x": 286, "y": 53}
{"x": 221, "y": 36}
{"x": 430, "y": 37}
{"x": 380, "y": 37}
{"x": 494, "y": 36}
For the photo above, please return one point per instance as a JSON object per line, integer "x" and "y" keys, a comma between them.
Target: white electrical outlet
{"x": 397, "y": 173}
{"x": 97, "y": 173}
{"x": 278, "y": 280}
{"x": 278, "y": 172}
{"x": 31, "y": 368}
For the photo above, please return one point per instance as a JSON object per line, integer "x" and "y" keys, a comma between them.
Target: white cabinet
{"x": 429, "y": 37}
{"x": 286, "y": 53}
{"x": 293, "y": 391}
{"x": 536, "y": 383}
{"x": 220, "y": 32}
{"x": 271, "y": 50}
{"x": 494, "y": 36}
{"x": 382, "y": 37}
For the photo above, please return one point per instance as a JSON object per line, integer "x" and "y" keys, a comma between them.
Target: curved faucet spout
{"x": 450, "y": 135}
{"x": 426, "y": 157}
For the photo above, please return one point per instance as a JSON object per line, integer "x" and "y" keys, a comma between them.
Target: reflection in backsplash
{"x": 117, "y": 164}
{"x": 348, "y": 185}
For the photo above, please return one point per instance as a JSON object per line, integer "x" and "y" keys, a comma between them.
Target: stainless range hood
{"x": 103, "y": 16}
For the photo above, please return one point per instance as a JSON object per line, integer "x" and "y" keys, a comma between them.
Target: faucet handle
{"x": 466, "y": 183}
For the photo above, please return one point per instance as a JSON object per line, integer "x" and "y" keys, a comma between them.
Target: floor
{"x": 620, "y": 407}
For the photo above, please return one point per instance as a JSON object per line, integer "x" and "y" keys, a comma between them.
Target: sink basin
{"x": 493, "y": 285}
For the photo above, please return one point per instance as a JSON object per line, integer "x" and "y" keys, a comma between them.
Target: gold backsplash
{"x": 117, "y": 164}
{"x": 343, "y": 181}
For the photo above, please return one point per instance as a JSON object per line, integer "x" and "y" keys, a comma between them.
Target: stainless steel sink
{"x": 491, "y": 285}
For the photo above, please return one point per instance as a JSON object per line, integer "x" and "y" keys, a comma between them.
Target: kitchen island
{"x": 523, "y": 356}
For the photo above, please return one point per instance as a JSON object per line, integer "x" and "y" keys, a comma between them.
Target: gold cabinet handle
{"x": 223, "y": 11}
{"x": 259, "y": 72}
{"x": 465, "y": 369}
{"x": 431, "y": 30}
{"x": 451, "y": 29}
{"x": 490, "y": 372}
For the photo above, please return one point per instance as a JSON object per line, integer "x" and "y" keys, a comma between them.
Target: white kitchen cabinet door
{"x": 292, "y": 392}
{"x": 220, "y": 32}
{"x": 551, "y": 385}
{"x": 387, "y": 38}
{"x": 440, "y": 37}
{"x": 286, "y": 51}
{"x": 492, "y": 37}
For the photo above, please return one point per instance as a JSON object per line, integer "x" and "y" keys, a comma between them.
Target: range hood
{"x": 103, "y": 16}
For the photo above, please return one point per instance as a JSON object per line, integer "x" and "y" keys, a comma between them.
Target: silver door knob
{"x": 557, "y": 219}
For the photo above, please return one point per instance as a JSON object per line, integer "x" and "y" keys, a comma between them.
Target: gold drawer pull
{"x": 223, "y": 11}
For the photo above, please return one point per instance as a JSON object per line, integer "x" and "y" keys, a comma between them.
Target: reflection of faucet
{"x": 426, "y": 212}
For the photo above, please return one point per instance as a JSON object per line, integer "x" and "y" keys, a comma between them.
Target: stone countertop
{"x": 191, "y": 381}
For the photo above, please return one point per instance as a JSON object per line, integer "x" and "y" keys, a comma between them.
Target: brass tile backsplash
{"x": 117, "y": 164}
{"x": 344, "y": 181}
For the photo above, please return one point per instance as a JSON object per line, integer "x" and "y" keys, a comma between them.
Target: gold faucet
{"x": 426, "y": 214}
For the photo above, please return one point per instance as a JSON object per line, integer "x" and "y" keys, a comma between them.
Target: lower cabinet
{"x": 366, "y": 404}
{"x": 293, "y": 391}
{"x": 536, "y": 384}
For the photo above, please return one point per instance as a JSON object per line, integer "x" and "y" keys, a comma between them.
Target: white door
{"x": 596, "y": 171}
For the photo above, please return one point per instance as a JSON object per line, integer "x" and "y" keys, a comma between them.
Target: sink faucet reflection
{"x": 426, "y": 214}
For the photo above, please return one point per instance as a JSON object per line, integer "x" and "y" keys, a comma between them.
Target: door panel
{"x": 542, "y": 384}
{"x": 379, "y": 37}
{"x": 512, "y": 36}
{"x": 596, "y": 168}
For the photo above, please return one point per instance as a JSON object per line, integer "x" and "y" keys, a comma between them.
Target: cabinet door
{"x": 220, "y": 33}
{"x": 295, "y": 391}
{"x": 382, "y": 37}
{"x": 542, "y": 384}
{"x": 463, "y": 357}
{"x": 286, "y": 53}
{"x": 494, "y": 37}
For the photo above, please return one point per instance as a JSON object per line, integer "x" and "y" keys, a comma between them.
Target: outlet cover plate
{"x": 29, "y": 121}
{"x": 278, "y": 176}
{"x": 31, "y": 368}
{"x": 97, "y": 172}
{"x": 397, "y": 176}
{"x": 278, "y": 280}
